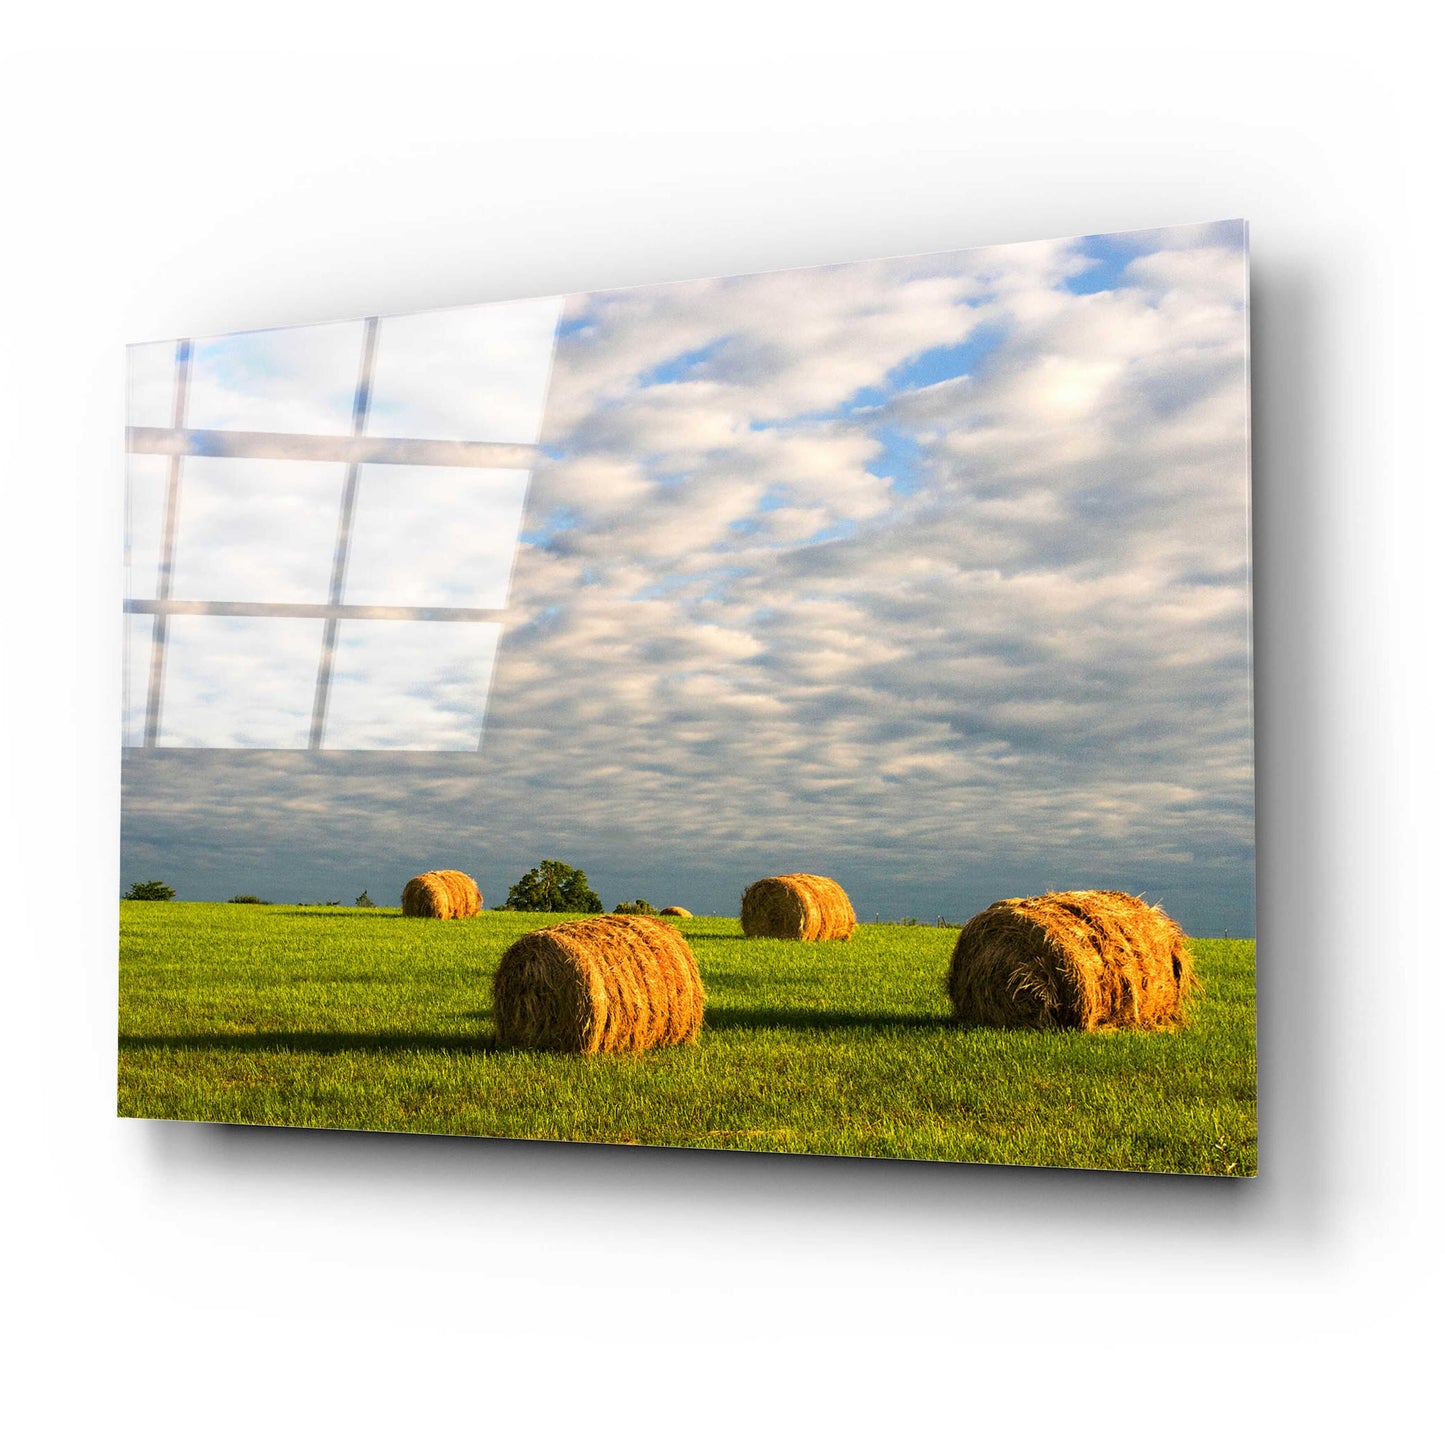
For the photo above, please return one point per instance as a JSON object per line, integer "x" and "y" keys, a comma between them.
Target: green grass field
{"x": 361, "y": 1019}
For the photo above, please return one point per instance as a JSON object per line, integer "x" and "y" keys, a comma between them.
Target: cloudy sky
{"x": 928, "y": 573}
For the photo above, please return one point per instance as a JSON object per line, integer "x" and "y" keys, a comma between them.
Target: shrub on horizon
{"x": 152, "y": 892}
{"x": 638, "y": 905}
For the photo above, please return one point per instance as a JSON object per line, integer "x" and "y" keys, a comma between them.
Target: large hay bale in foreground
{"x": 1082, "y": 960}
{"x": 442, "y": 894}
{"x": 674, "y": 912}
{"x": 799, "y": 906}
{"x": 598, "y": 985}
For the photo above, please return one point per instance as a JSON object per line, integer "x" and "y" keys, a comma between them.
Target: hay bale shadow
{"x": 340, "y": 915}
{"x": 303, "y": 1041}
{"x": 725, "y": 1017}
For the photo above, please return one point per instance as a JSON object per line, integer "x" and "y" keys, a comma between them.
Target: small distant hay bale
{"x": 605, "y": 984}
{"x": 674, "y": 912}
{"x": 797, "y": 906}
{"x": 444, "y": 893}
{"x": 1082, "y": 960}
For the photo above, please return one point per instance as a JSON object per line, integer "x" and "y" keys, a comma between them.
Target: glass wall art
{"x": 805, "y": 712}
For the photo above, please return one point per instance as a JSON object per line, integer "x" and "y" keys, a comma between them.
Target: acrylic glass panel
{"x": 926, "y": 577}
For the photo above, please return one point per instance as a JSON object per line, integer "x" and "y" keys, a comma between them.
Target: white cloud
{"x": 776, "y": 610}
{"x": 1046, "y": 633}
{"x": 786, "y": 342}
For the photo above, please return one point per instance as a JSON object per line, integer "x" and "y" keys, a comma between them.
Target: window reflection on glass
{"x": 256, "y": 531}
{"x": 239, "y": 682}
{"x": 296, "y": 379}
{"x": 151, "y": 384}
{"x": 473, "y": 373}
{"x": 145, "y": 504}
{"x": 434, "y": 536}
{"x": 405, "y": 685}
{"x": 245, "y": 626}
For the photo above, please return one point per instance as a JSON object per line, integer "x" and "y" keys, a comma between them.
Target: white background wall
{"x": 189, "y": 169}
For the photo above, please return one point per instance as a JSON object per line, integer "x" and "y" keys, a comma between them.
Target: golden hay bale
{"x": 674, "y": 912}
{"x": 1083, "y": 960}
{"x": 442, "y": 894}
{"x": 797, "y": 905}
{"x": 598, "y": 985}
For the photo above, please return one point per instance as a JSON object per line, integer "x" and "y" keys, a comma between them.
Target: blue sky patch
{"x": 833, "y": 532}
{"x": 1108, "y": 257}
{"x": 675, "y": 582}
{"x": 561, "y": 520}
{"x": 928, "y": 368}
{"x": 685, "y": 366}
{"x": 946, "y": 363}
{"x": 899, "y": 460}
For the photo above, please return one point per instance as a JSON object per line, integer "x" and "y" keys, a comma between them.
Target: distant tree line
{"x": 551, "y": 887}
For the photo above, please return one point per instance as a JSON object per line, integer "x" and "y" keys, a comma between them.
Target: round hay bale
{"x": 598, "y": 985}
{"x": 674, "y": 912}
{"x": 799, "y": 906}
{"x": 441, "y": 894}
{"x": 1082, "y": 960}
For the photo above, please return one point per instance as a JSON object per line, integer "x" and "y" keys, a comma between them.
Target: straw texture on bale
{"x": 607, "y": 984}
{"x": 675, "y": 912}
{"x": 797, "y": 905}
{"x": 1082, "y": 960}
{"x": 442, "y": 894}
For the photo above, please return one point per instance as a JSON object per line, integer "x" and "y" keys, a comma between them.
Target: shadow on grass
{"x": 341, "y": 915}
{"x": 300, "y": 1041}
{"x": 723, "y": 1017}
{"x": 296, "y": 1041}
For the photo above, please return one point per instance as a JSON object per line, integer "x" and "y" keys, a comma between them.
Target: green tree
{"x": 153, "y": 892}
{"x": 365, "y": 900}
{"x": 553, "y": 887}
